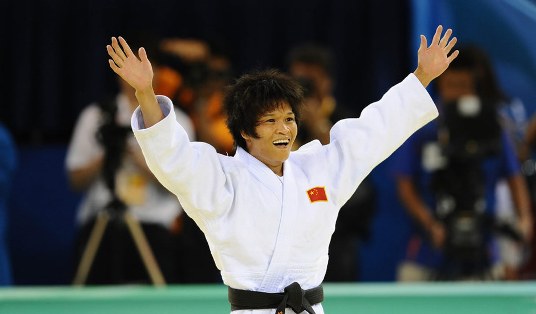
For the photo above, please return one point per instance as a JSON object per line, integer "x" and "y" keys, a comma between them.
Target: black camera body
{"x": 113, "y": 138}
{"x": 469, "y": 133}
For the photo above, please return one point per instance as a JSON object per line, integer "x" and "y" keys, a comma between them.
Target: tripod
{"x": 117, "y": 210}
{"x": 113, "y": 138}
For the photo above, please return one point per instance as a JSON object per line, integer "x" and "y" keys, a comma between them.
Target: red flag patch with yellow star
{"x": 317, "y": 194}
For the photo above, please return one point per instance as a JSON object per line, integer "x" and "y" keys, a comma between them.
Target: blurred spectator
{"x": 210, "y": 117}
{"x": 514, "y": 119}
{"x": 528, "y": 270}
{"x": 103, "y": 134}
{"x": 199, "y": 72}
{"x": 181, "y": 64}
{"x": 7, "y": 168}
{"x": 447, "y": 174}
{"x": 313, "y": 65}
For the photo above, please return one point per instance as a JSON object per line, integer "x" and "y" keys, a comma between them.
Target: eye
{"x": 270, "y": 120}
{"x": 290, "y": 119}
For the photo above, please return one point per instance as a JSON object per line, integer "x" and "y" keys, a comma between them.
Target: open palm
{"x": 434, "y": 59}
{"x": 136, "y": 72}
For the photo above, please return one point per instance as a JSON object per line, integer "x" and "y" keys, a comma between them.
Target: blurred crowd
{"x": 467, "y": 180}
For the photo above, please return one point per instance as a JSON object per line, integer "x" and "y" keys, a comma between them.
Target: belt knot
{"x": 295, "y": 299}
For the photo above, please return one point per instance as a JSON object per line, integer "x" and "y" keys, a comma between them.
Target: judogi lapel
{"x": 273, "y": 280}
{"x": 260, "y": 171}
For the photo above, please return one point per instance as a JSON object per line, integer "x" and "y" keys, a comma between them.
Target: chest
{"x": 295, "y": 210}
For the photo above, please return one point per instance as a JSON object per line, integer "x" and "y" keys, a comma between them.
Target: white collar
{"x": 262, "y": 172}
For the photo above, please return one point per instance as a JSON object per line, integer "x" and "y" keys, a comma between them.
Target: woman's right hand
{"x": 139, "y": 74}
{"x": 136, "y": 72}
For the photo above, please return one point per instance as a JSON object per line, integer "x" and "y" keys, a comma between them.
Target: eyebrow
{"x": 271, "y": 114}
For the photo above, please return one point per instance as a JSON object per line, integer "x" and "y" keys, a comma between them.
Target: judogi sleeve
{"x": 191, "y": 170}
{"x": 358, "y": 145}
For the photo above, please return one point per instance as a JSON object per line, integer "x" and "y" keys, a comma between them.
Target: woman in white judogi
{"x": 268, "y": 214}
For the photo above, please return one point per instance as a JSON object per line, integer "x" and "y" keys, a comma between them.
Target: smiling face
{"x": 276, "y": 131}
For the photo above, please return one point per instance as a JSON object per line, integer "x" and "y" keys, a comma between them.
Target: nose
{"x": 282, "y": 128}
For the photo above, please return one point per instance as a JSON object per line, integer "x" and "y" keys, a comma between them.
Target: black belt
{"x": 295, "y": 297}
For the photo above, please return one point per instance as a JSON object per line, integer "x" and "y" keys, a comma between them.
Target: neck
{"x": 278, "y": 170}
{"x": 276, "y": 167}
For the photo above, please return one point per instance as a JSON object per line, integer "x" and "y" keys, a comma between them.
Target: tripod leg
{"x": 91, "y": 248}
{"x": 145, "y": 250}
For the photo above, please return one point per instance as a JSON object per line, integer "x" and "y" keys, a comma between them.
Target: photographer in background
{"x": 446, "y": 176}
{"x": 103, "y": 130}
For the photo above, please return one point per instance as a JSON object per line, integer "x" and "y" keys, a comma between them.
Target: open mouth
{"x": 281, "y": 143}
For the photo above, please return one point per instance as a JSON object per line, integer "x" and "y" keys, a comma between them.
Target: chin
{"x": 285, "y": 156}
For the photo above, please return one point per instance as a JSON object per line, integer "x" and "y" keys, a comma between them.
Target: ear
{"x": 245, "y": 136}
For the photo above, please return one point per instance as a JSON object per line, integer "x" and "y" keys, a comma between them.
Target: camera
{"x": 469, "y": 133}
{"x": 113, "y": 138}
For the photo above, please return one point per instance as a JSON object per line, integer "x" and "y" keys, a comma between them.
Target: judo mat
{"x": 459, "y": 298}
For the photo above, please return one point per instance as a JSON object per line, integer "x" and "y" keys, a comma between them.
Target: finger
{"x": 424, "y": 43}
{"x": 118, "y": 50}
{"x": 114, "y": 67}
{"x": 118, "y": 61}
{"x": 445, "y": 39}
{"x": 451, "y": 44}
{"x": 125, "y": 46}
{"x": 437, "y": 35}
{"x": 143, "y": 55}
{"x": 453, "y": 56}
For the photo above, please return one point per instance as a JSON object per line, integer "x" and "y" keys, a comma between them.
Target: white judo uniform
{"x": 266, "y": 231}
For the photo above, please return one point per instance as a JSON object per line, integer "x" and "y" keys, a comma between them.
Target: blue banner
{"x": 505, "y": 29}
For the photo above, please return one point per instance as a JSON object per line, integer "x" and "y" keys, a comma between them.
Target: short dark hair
{"x": 255, "y": 94}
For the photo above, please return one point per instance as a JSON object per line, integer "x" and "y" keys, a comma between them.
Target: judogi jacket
{"x": 265, "y": 231}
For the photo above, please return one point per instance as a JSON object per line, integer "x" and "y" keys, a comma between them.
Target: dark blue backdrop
{"x": 55, "y": 62}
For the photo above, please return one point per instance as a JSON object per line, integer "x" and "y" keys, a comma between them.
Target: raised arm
{"x": 139, "y": 74}
{"x": 435, "y": 59}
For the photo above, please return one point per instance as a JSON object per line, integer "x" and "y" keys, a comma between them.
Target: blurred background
{"x": 54, "y": 64}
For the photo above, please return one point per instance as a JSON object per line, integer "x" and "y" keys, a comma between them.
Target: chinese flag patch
{"x": 317, "y": 194}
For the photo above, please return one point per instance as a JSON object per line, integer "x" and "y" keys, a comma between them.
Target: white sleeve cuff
{"x": 166, "y": 105}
